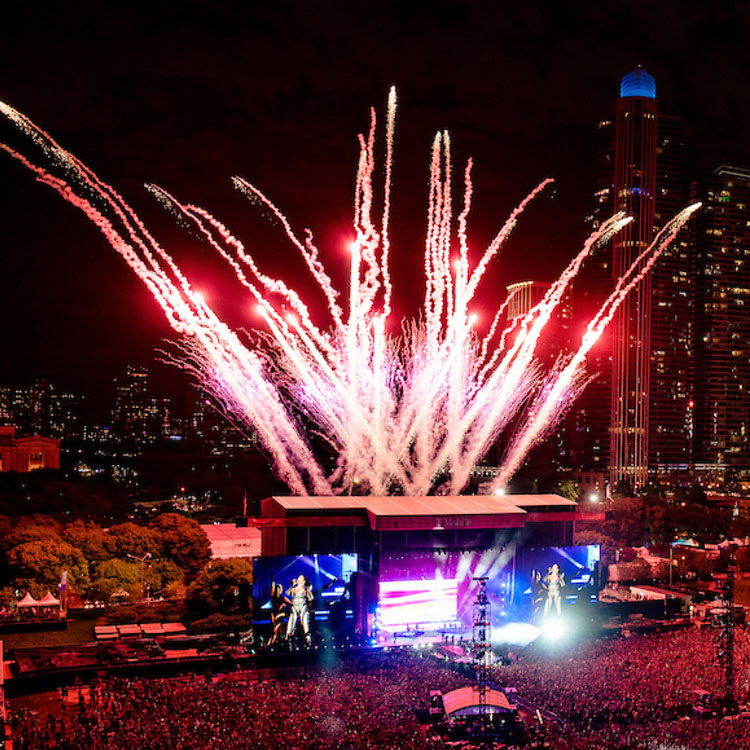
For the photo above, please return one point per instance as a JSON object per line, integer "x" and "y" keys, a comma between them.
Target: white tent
{"x": 28, "y": 601}
{"x": 48, "y": 601}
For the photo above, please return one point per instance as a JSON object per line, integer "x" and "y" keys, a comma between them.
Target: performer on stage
{"x": 299, "y": 596}
{"x": 554, "y": 582}
{"x": 278, "y": 613}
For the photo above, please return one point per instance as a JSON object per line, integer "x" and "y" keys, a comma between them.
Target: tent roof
{"x": 28, "y": 601}
{"x": 48, "y": 601}
{"x": 468, "y": 697}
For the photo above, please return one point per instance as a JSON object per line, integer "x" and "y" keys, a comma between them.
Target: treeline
{"x": 653, "y": 521}
{"x": 36, "y": 550}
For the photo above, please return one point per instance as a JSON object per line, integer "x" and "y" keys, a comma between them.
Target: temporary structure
{"x": 47, "y": 601}
{"x": 28, "y": 601}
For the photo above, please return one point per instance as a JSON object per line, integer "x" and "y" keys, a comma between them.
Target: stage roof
{"x": 433, "y": 505}
{"x": 431, "y": 512}
{"x": 535, "y": 501}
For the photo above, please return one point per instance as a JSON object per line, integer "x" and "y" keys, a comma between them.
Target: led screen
{"x": 549, "y": 579}
{"x": 323, "y": 588}
{"x": 423, "y": 601}
{"x": 438, "y": 588}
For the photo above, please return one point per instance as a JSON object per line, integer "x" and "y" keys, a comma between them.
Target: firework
{"x": 412, "y": 412}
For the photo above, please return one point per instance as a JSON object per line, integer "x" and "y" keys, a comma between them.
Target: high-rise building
{"x": 138, "y": 417}
{"x": 553, "y": 343}
{"x": 634, "y": 193}
{"x": 40, "y": 408}
{"x": 635, "y": 417}
{"x": 670, "y": 381}
{"x": 721, "y": 240}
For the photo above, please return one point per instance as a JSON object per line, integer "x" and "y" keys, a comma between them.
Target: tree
{"x": 38, "y": 566}
{"x": 5, "y": 529}
{"x": 585, "y": 536}
{"x": 185, "y": 542}
{"x": 89, "y": 538}
{"x": 109, "y": 576}
{"x": 696, "y": 494}
{"x": 652, "y": 490}
{"x": 37, "y": 527}
{"x": 742, "y": 558}
{"x": 163, "y": 573}
{"x": 132, "y": 539}
{"x": 660, "y": 523}
{"x": 569, "y": 489}
{"x": 219, "y": 586}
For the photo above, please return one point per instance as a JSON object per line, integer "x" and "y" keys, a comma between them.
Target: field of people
{"x": 612, "y": 694}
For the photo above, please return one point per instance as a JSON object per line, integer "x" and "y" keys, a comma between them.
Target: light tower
{"x": 482, "y": 644}
{"x": 634, "y": 193}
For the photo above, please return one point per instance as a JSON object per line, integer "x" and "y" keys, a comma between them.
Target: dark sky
{"x": 187, "y": 94}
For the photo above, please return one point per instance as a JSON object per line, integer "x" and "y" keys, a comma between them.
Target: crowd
{"x": 617, "y": 693}
{"x": 363, "y": 702}
{"x": 635, "y": 692}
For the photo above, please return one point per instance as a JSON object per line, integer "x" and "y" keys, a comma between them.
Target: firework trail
{"x": 410, "y": 413}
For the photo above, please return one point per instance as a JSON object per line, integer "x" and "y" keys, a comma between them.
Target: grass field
{"x": 78, "y": 631}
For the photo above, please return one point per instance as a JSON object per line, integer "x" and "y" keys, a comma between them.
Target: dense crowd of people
{"x": 613, "y": 694}
{"x": 363, "y": 702}
{"x": 635, "y": 692}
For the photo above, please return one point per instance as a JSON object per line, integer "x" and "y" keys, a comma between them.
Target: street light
{"x": 142, "y": 560}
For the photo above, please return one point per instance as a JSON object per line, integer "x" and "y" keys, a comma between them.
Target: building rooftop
{"x": 228, "y": 540}
{"x": 432, "y": 505}
{"x": 638, "y": 83}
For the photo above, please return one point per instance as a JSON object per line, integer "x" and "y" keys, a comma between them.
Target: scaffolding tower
{"x": 723, "y": 621}
{"x": 482, "y": 643}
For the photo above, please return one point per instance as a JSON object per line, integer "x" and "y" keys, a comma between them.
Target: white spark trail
{"x": 410, "y": 412}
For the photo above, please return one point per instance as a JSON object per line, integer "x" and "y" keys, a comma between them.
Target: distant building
{"x": 721, "y": 238}
{"x": 554, "y": 341}
{"x": 41, "y": 408}
{"x": 635, "y": 419}
{"x": 228, "y": 540}
{"x": 23, "y": 454}
{"x": 634, "y": 193}
{"x": 672, "y": 313}
{"x": 138, "y": 417}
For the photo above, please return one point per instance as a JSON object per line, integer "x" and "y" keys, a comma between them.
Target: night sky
{"x": 188, "y": 94}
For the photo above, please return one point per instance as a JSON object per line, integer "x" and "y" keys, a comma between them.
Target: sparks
{"x": 412, "y": 412}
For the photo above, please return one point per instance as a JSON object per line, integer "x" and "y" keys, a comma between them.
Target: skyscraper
{"x": 634, "y": 193}
{"x": 670, "y": 382}
{"x": 635, "y": 418}
{"x": 721, "y": 232}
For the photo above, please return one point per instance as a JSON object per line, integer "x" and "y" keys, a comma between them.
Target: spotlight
{"x": 554, "y": 629}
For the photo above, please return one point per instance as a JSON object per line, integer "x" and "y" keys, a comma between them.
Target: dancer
{"x": 278, "y": 613}
{"x": 537, "y": 592}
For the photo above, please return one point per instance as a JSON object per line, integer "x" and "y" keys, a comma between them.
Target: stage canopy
{"x": 465, "y": 701}
{"x": 402, "y": 512}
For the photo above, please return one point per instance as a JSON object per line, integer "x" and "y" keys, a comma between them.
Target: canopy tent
{"x": 467, "y": 701}
{"x": 28, "y": 601}
{"x": 47, "y": 601}
{"x": 685, "y": 543}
